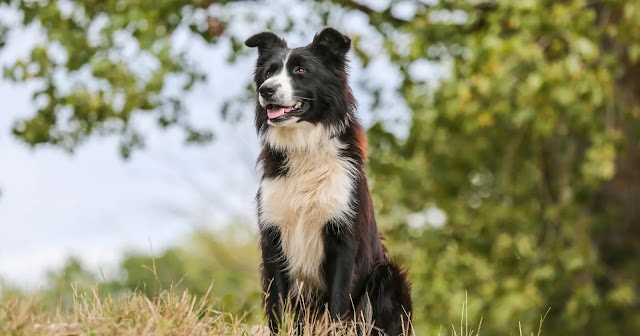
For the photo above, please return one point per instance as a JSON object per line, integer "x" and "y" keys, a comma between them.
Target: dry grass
{"x": 464, "y": 323}
{"x": 135, "y": 314}
{"x": 169, "y": 314}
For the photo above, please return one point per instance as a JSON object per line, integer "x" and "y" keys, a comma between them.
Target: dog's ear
{"x": 331, "y": 41}
{"x": 265, "y": 41}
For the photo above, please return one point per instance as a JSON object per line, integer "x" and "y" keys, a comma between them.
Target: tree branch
{"x": 384, "y": 15}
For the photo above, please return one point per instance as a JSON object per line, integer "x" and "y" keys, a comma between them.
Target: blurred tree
{"x": 227, "y": 263}
{"x": 90, "y": 86}
{"x": 224, "y": 262}
{"x": 530, "y": 144}
{"x": 60, "y": 284}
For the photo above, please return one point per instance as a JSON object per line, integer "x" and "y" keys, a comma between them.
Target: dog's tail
{"x": 389, "y": 297}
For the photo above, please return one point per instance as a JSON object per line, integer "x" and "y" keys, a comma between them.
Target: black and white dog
{"x": 319, "y": 239}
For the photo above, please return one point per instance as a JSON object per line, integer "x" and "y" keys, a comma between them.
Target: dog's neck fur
{"x": 302, "y": 136}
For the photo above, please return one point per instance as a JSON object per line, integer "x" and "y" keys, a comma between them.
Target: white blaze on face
{"x": 284, "y": 87}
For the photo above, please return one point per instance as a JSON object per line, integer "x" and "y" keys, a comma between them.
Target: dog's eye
{"x": 300, "y": 70}
{"x": 268, "y": 74}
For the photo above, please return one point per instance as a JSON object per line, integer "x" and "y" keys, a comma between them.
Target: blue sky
{"x": 94, "y": 205}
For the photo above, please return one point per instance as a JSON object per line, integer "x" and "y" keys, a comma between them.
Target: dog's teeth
{"x": 297, "y": 105}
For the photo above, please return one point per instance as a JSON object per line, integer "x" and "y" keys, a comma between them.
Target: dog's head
{"x": 301, "y": 86}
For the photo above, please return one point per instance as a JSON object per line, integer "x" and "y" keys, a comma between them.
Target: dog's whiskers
{"x": 304, "y": 98}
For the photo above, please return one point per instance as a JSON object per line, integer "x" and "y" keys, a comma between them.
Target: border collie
{"x": 319, "y": 239}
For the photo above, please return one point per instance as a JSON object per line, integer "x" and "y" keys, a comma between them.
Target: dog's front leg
{"x": 275, "y": 285}
{"x": 339, "y": 263}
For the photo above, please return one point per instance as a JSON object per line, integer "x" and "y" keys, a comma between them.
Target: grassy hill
{"x": 171, "y": 313}
{"x": 136, "y": 314}
{"x": 207, "y": 286}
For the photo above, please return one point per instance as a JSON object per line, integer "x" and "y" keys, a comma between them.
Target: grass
{"x": 464, "y": 323}
{"x": 132, "y": 314}
{"x": 135, "y": 314}
{"x": 169, "y": 314}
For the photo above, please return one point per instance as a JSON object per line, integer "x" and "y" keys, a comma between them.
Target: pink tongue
{"x": 276, "y": 112}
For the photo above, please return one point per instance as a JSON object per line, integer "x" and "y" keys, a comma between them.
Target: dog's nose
{"x": 267, "y": 90}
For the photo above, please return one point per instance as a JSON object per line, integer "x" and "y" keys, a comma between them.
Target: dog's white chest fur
{"x": 317, "y": 189}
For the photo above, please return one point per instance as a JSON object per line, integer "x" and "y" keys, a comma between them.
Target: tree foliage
{"x": 530, "y": 143}
{"x": 103, "y": 62}
{"x": 531, "y": 148}
{"x": 222, "y": 265}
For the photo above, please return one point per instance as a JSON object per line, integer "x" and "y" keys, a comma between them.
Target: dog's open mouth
{"x": 277, "y": 112}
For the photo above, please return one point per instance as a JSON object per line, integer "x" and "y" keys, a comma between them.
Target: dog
{"x": 318, "y": 235}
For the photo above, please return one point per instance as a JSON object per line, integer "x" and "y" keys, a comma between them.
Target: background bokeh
{"x": 504, "y": 151}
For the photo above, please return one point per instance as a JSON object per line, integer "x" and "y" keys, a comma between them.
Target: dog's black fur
{"x": 359, "y": 276}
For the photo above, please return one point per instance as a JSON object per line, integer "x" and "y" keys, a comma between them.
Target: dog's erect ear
{"x": 265, "y": 41}
{"x": 331, "y": 41}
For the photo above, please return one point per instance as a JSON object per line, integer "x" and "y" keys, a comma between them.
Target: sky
{"x": 94, "y": 205}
